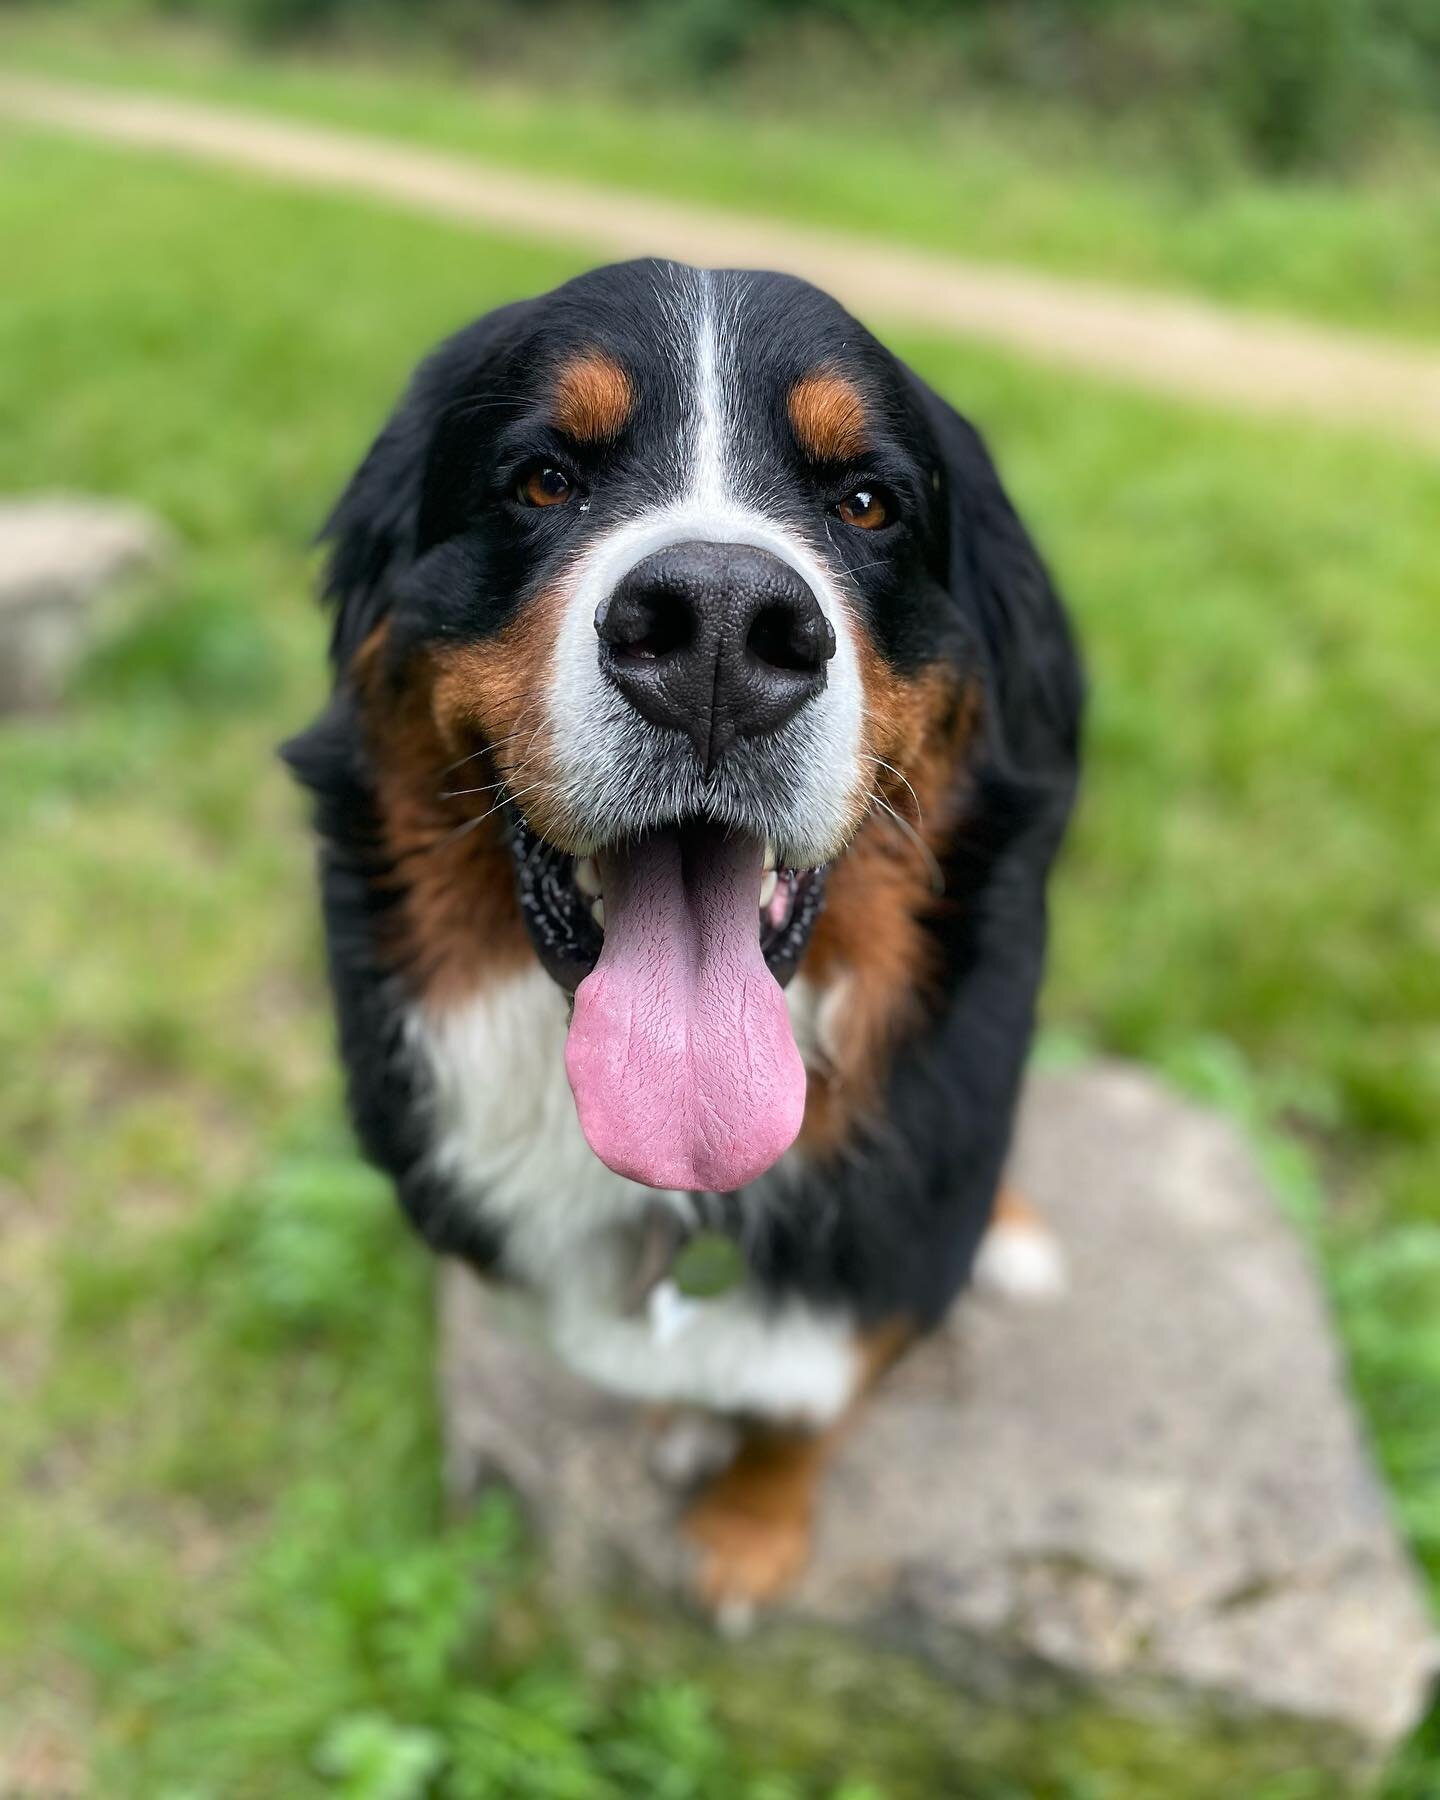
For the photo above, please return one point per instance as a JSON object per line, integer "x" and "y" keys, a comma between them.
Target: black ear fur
{"x": 1035, "y": 688}
{"x": 378, "y": 523}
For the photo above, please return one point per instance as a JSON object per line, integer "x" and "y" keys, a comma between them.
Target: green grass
{"x": 1099, "y": 199}
{"x": 225, "y": 1568}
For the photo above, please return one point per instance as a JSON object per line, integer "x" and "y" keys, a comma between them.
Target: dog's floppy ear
{"x": 1034, "y": 686}
{"x": 381, "y": 521}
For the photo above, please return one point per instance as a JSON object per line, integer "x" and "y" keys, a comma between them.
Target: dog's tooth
{"x": 587, "y": 877}
{"x": 597, "y": 912}
{"x": 769, "y": 881}
{"x": 770, "y": 858}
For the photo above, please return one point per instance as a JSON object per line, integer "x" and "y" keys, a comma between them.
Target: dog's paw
{"x": 747, "y": 1558}
{"x": 1020, "y": 1258}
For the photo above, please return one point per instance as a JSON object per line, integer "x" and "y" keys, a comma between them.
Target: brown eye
{"x": 544, "y": 485}
{"x": 865, "y": 508}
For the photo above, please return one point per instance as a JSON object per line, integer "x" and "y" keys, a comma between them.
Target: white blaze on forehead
{"x": 715, "y": 501}
{"x": 712, "y": 430}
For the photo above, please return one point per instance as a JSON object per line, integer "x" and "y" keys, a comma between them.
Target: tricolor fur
{"x": 476, "y": 749}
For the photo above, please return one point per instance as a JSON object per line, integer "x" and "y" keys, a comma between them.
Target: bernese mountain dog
{"x": 704, "y": 726}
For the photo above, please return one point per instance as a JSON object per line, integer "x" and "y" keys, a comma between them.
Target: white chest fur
{"x": 506, "y": 1136}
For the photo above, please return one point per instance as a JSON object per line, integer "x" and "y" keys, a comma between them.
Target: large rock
{"x": 1153, "y": 1487}
{"x": 60, "y": 559}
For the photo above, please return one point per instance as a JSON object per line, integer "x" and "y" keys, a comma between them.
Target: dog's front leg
{"x": 753, "y": 1523}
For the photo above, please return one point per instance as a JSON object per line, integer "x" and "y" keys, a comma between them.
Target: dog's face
{"x": 661, "y": 562}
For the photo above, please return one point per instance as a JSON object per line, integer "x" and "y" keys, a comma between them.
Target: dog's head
{"x": 654, "y": 591}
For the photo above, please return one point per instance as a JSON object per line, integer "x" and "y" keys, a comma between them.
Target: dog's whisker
{"x": 461, "y": 761}
{"x": 460, "y": 793}
{"x": 923, "y": 850}
{"x": 880, "y": 763}
{"x": 514, "y": 796}
{"x": 460, "y": 831}
{"x": 494, "y": 747}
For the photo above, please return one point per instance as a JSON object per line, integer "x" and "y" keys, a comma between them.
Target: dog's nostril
{"x": 786, "y": 637}
{"x": 671, "y": 626}
{"x": 647, "y": 625}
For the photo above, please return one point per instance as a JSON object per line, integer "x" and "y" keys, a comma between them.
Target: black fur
{"x": 426, "y": 535}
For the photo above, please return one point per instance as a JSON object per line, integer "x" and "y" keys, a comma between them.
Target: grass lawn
{"x": 1100, "y": 199}
{"x": 225, "y": 1569}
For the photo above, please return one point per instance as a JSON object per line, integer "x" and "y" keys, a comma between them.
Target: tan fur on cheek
{"x": 454, "y": 924}
{"x": 498, "y": 690}
{"x": 872, "y": 958}
{"x": 593, "y": 398}
{"x": 443, "y": 735}
{"x": 827, "y": 415}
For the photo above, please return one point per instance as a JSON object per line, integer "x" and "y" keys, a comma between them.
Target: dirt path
{"x": 1185, "y": 347}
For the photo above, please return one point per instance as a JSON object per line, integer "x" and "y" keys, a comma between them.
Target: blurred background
{"x": 226, "y": 1567}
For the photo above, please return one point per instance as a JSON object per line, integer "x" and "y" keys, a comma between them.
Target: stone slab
{"x": 1153, "y": 1486}
{"x": 60, "y": 559}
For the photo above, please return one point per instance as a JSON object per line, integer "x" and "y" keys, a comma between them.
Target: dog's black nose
{"x": 720, "y": 641}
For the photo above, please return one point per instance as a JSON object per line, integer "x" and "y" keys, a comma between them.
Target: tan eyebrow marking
{"x": 828, "y": 416}
{"x": 593, "y": 397}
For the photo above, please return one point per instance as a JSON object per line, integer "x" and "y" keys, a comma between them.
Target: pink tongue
{"x": 680, "y": 1054}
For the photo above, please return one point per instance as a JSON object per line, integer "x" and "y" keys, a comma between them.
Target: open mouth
{"x": 675, "y": 946}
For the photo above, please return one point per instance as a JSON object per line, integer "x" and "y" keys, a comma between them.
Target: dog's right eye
{"x": 542, "y": 484}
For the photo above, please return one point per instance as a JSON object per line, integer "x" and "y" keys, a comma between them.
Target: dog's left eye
{"x": 544, "y": 485}
{"x": 866, "y": 508}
